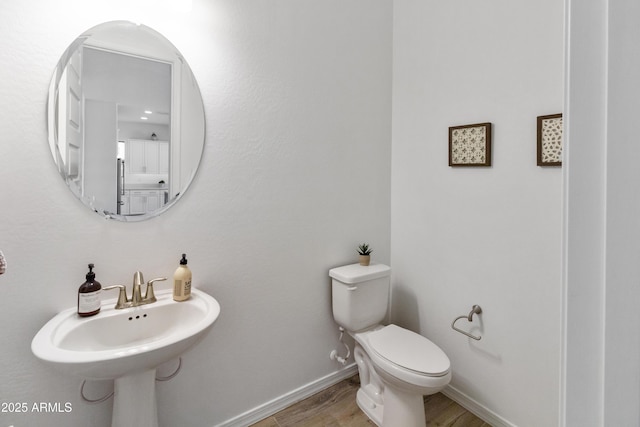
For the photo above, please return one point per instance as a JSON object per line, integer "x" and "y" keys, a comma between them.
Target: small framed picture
{"x": 470, "y": 145}
{"x": 550, "y": 140}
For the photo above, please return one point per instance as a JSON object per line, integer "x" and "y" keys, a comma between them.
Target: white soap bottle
{"x": 182, "y": 281}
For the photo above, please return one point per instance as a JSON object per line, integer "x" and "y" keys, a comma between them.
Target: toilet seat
{"x": 407, "y": 350}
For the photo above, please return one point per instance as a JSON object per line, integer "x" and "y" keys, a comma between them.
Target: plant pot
{"x": 365, "y": 259}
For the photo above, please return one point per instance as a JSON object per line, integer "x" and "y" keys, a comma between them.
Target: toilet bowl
{"x": 397, "y": 367}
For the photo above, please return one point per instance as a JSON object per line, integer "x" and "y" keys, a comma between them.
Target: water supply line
{"x": 334, "y": 353}
{"x": 100, "y": 400}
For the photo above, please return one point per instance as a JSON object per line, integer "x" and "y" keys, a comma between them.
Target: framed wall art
{"x": 470, "y": 145}
{"x": 550, "y": 140}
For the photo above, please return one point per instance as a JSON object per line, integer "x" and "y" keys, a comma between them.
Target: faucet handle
{"x": 149, "y": 296}
{"x": 122, "y": 295}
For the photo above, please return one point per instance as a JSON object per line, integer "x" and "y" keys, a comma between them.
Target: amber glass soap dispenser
{"x": 182, "y": 281}
{"x": 89, "y": 295}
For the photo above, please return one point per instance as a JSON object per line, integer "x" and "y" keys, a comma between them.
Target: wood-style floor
{"x": 337, "y": 407}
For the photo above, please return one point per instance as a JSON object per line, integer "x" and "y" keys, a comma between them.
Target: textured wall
{"x": 487, "y": 236}
{"x": 295, "y": 174}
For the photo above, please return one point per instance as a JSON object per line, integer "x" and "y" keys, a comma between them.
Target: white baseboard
{"x": 476, "y": 408}
{"x": 279, "y": 403}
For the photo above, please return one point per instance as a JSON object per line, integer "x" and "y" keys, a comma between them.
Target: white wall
{"x": 295, "y": 174}
{"x": 584, "y": 214}
{"x": 486, "y": 236}
{"x": 99, "y": 173}
{"x": 622, "y": 355}
{"x": 602, "y": 210}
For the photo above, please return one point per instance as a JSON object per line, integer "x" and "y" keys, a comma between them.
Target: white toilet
{"x": 397, "y": 367}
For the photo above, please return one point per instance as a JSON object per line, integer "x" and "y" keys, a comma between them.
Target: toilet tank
{"x": 360, "y": 295}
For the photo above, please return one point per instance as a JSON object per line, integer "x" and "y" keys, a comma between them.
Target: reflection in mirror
{"x": 125, "y": 121}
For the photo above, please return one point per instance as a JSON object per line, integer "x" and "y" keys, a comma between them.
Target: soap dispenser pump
{"x": 182, "y": 281}
{"x": 89, "y": 295}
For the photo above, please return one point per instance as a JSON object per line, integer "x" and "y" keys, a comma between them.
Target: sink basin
{"x": 116, "y": 343}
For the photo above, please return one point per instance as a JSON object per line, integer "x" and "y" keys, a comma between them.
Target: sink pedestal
{"x": 134, "y": 400}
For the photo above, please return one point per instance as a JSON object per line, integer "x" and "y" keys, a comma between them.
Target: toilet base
{"x": 386, "y": 404}
{"x": 403, "y": 409}
{"x": 399, "y": 409}
{"x": 371, "y": 409}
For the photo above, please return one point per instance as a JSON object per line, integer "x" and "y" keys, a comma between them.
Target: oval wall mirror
{"x": 125, "y": 121}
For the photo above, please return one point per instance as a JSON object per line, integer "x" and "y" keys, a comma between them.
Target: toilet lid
{"x": 409, "y": 350}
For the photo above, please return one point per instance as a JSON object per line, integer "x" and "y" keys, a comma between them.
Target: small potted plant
{"x": 365, "y": 254}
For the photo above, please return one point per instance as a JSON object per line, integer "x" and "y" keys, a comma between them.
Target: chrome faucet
{"x": 136, "y": 293}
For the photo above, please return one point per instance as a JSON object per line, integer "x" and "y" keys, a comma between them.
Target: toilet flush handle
{"x": 352, "y": 288}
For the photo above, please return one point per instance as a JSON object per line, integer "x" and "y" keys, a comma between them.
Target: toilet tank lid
{"x": 356, "y": 273}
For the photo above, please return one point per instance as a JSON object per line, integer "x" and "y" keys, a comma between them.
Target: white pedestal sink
{"x": 127, "y": 346}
